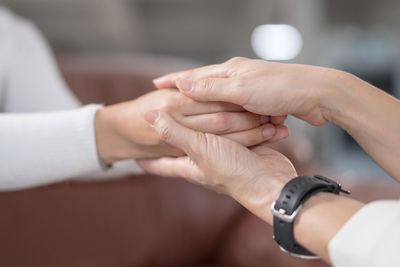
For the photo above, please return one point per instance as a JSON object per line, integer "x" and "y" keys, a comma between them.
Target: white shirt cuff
{"x": 370, "y": 238}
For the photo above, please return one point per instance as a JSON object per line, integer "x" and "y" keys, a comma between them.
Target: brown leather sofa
{"x": 139, "y": 220}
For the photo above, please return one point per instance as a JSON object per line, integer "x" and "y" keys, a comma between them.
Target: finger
{"x": 172, "y": 101}
{"x": 188, "y": 106}
{"x": 169, "y": 167}
{"x": 223, "y": 122}
{"x": 282, "y": 132}
{"x": 169, "y": 80}
{"x": 215, "y": 89}
{"x": 254, "y": 136}
{"x": 174, "y": 134}
{"x": 278, "y": 119}
{"x": 263, "y": 150}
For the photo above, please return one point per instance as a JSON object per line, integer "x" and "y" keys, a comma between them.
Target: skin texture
{"x": 256, "y": 85}
{"x": 122, "y": 133}
{"x": 314, "y": 94}
{"x": 255, "y": 177}
{"x": 252, "y": 177}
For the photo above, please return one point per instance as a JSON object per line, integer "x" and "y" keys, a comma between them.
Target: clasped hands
{"x": 215, "y": 131}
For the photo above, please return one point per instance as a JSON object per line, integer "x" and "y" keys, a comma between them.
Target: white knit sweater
{"x": 45, "y": 136}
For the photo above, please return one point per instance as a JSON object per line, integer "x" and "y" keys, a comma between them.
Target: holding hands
{"x": 214, "y": 132}
{"x": 259, "y": 86}
{"x": 122, "y": 132}
{"x": 253, "y": 177}
{"x": 314, "y": 94}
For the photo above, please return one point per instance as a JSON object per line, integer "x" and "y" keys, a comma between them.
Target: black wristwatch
{"x": 289, "y": 202}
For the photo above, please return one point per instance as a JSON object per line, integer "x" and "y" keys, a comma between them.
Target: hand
{"x": 261, "y": 87}
{"x": 253, "y": 177}
{"x": 122, "y": 133}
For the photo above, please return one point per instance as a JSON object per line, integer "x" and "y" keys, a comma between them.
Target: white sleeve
{"x": 42, "y": 148}
{"x": 30, "y": 80}
{"x": 370, "y": 238}
{"x": 39, "y": 148}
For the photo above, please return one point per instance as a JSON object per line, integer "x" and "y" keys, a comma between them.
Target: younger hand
{"x": 122, "y": 132}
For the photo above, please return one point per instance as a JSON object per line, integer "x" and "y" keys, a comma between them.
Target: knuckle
{"x": 199, "y": 138}
{"x": 195, "y": 148}
{"x": 207, "y": 83}
{"x": 236, "y": 60}
{"x": 210, "y": 142}
{"x": 164, "y": 133}
{"x": 234, "y": 65}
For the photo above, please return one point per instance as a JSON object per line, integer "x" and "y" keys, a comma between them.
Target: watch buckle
{"x": 281, "y": 213}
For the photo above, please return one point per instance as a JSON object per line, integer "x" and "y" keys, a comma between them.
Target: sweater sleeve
{"x": 370, "y": 238}
{"x": 41, "y": 148}
{"x": 38, "y": 145}
{"x": 29, "y": 80}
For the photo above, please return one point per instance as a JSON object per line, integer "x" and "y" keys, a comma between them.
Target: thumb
{"x": 174, "y": 134}
{"x": 213, "y": 89}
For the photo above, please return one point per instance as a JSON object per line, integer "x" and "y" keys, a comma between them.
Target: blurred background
{"x": 109, "y": 51}
{"x": 362, "y": 37}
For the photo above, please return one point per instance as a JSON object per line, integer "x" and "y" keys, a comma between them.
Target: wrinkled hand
{"x": 261, "y": 87}
{"x": 253, "y": 177}
{"x": 122, "y": 132}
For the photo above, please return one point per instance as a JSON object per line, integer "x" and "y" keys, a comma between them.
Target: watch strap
{"x": 285, "y": 208}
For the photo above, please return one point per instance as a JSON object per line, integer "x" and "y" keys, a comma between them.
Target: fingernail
{"x": 152, "y": 116}
{"x": 268, "y": 131}
{"x": 185, "y": 85}
{"x": 264, "y": 119}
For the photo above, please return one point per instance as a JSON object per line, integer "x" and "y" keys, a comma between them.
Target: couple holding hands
{"x": 211, "y": 126}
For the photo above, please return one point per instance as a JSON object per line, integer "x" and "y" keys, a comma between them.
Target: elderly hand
{"x": 261, "y": 87}
{"x": 122, "y": 133}
{"x": 253, "y": 177}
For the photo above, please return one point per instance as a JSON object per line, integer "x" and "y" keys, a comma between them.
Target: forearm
{"x": 369, "y": 115}
{"x": 320, "y": 218}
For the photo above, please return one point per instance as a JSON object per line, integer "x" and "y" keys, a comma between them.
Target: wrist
{"x": 338, "y": 97}
{"x": 320, "y": 219}
{"x": 261, "y": 199}
{"x": 300, "y": 198}
{"x": 103, "y": 134}
{"x": 111, "y": 146}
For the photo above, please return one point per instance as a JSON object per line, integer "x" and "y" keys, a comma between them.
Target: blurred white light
{"x": 276, "y": 41}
